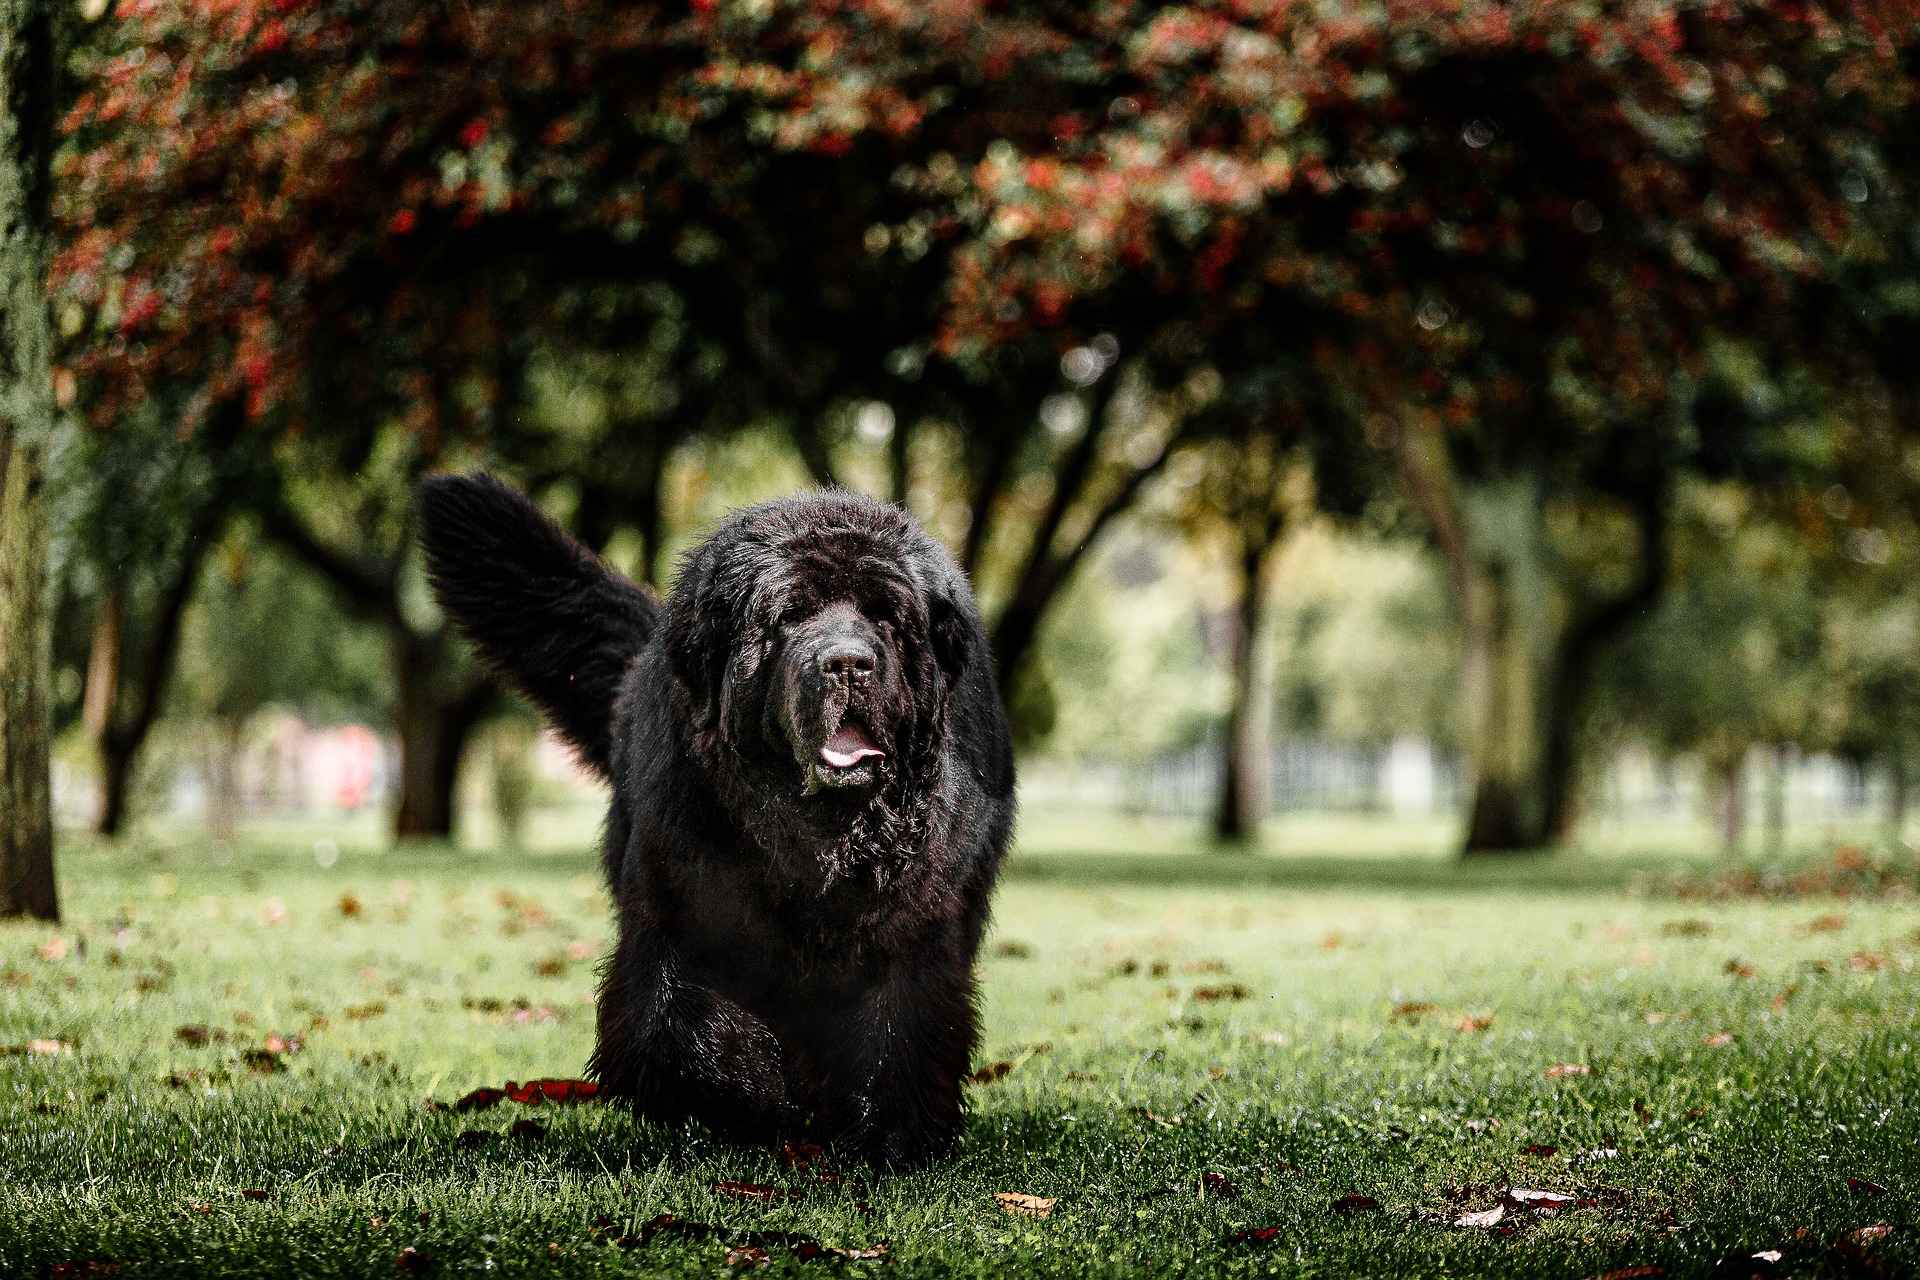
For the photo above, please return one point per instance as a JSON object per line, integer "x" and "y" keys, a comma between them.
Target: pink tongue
{"x": 847, "y": 747}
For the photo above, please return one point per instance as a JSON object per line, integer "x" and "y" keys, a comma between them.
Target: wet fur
{"x": 787, "y": 962}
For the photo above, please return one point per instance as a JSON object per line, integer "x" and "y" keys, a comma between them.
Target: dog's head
{"x": 817, "y": 641}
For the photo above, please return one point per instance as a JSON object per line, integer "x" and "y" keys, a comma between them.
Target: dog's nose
{"x": 847, "y": 660}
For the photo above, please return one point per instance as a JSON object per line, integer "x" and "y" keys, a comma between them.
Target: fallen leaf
{"x": 472, "y": 1138}
{"x": 48, "y": 1047}
{"x": 1740, "y": 969}
{"x": 413, "y": 1261}
{"x": 1719, "y": 1039}
{"x": 1868, "y": 960}
{"x": 1218, "y": 1184}
{"x": 1537, "y": 1201}
{"x": 1826, "y": 924}
{"x": 362, "y": 1012}
{"x": 527, "y": 1130}
{"x": 858, "y": 1255}
{"x": 1541, "y": 1149}
{"x": 1230, "y": 991}
{"x": 1486, "y": 1218}
{"x": 1864, "y": 1187}
{"x": 1867, "y": 1235}
{"x": 1273, "y": 1037}
{"x": 275, "y": 1043}
{"x": 535, "y": 1092}
{"x": 1331, "y": 940}
{"x": 349, "y": 906}
{"x": 1481, "y": 1126}
{"x": 1355, "y": 1203}
{"x": 1019, "y": 1202}
{"x": 753, "y": 1191}
{"x": 1631, "y": 1273}
{"x": 255, "y": 1195}
{"x": 1560, "y": 1069}
{"x": 1412, "y": 1010}
{"x": 1082, "y": 1075}
{"x": 480, "y": 1100}
{"x": 1254, "y": 1235}
{"x": 1769, "y": 1255}
{"x": 54, "y": 948}
{"x": 262, "y": 1061}
{"x": 747, "y": 1256}
{"x": 1473, "y": 1022}
{"x": 988, "y": 1074}
{"x": 800, "y": 1155}
{"x": 1686, "y": 928}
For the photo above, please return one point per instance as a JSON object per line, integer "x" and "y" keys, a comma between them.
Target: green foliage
{"x": 1365, "y": 640}
{"x": 262, "y": 631}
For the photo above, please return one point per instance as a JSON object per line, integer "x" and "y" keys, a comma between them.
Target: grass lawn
{"x": 1199, "y": 1046}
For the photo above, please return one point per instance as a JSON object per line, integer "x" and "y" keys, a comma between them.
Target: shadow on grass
{"x": 1557, "y": 872}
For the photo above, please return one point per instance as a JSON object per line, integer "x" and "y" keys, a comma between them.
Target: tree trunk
{"x": 28, "y": 67}
{"x": 223, "y": 776}
{"x": 119, "y": 724}
{"x": 1242, "y": 799}
{"x": 1729, "y": 800}
{"x": 433, "y": 724}
{"x": 1898, "y": 785}
{"x": 1774, "y": 814}
{"x": 1509, "y": 635}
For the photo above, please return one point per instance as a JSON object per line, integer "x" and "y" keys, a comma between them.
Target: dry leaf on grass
{"x": 747, "y": 1256}
{"x": 1630, "y": 1273}
{"x": 1412, "y": 1010}
{"x": 1472, "y": 1022}
{"x": 1218, "y": 1184}
{"x": 1867, "y": 1235}
{"x": 1229, "y": 991}
{"x": 1740, "y": 969}
{"x": 1864, "y": 1187}
{"x": 1560, "y": 1069}
{"x": 988, "y": 1074}
{"x": 413, "y": 1261}
{"x": 1486, "y": 1218}
{"x": 1019, "y": 1202}
{"x": 759, "y": 1191}
{"x": 1544, "y": 1202}
{"x": 1355, "y": 1203}
{"x": 1253, "y": 1235}
{"x": 53, "y": 949}
{"x": 1719, "y": 1039}
{"x": 532, "y": 1093}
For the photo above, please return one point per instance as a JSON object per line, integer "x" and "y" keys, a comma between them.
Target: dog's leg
{"x": 894, "y": 1095}
{"x": 675, "y": 1049}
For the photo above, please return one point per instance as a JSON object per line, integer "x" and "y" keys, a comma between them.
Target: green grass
{"x": 1298, "y": 1082}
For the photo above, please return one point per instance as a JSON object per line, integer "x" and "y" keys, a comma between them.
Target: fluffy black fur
{"x": 812, "y": 792}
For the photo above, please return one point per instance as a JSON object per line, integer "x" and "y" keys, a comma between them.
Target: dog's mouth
{"x": 848, "y": 758}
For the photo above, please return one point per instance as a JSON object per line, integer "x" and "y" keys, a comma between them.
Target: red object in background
{"x": 354, "y": 750}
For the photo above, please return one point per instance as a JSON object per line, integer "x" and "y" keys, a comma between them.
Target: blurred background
{"x": 1369, "y": 431}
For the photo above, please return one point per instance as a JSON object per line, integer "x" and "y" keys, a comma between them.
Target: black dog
{"x": 812, "y": 791}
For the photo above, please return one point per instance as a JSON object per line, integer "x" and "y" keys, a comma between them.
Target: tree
{"x": 1515, "y": 233}
{"x": 29, "y": 61}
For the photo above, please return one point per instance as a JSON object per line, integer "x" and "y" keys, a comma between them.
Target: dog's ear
{"x": 543, "y": 610}
{"x": 953, "y": 632}
{"x": 696, "y": 636}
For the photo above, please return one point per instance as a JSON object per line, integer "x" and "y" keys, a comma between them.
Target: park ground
{"x": 1312, "y": 1061}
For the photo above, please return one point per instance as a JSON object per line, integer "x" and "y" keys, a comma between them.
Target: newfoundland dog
{"x": 812, "y": 790}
